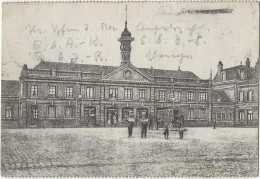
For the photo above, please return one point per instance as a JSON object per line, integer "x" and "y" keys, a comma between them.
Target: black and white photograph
{"x": 130, "y": 89}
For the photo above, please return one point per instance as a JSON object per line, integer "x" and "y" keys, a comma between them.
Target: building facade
{"x": 76, "y": 95}
{"x": 54, "y": 94}
{"x": 10, "y": 104}
{"x": 239, "y": 103}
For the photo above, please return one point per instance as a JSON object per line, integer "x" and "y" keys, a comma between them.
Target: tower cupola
{"x": 125, "y": 46}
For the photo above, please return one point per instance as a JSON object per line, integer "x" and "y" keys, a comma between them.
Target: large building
{"x": 236, "y": 95}
{"x": 56, "y": 94}
{"x": 72, "y": 95}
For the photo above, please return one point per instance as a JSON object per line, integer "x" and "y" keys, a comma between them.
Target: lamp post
{"x": 173, "y": 108}
{"x": 77, "y": 97}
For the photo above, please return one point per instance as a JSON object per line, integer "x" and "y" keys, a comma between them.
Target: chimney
{"x": 25, "y": 67}
{"x": 179, "y": 69}
{"x": 247, "y": 67}
{"x": 220, "y": 66}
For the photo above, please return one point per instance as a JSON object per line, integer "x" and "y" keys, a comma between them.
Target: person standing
{"x": 131, "y": 121}
{"x": 214, "y": 122}
{"x": 181, "y": 132}
{"x": 166, "y": 131}
{"x": 144, "y": 125}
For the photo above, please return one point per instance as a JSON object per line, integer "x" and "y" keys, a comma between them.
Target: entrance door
{"x": 112, "y": 117}
{"x": 34, "y": 116}
{"x": 89, "y": 117}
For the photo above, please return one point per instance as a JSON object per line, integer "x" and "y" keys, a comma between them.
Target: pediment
{"x": 127, "y": 73}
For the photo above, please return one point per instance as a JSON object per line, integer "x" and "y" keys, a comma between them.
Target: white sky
{"x": 230, "y": 38}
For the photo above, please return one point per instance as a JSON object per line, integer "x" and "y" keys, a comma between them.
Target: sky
{"x": 167, "y": 35}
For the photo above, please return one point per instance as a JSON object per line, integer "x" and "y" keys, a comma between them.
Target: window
{"x": 90, "y": 93}
{"x": 191, "y": 114}
{"x": 162, "y": 95}
{"x": 128, "y": 93}
{"x": 241, "y": 115}
{"x": 69, "y": 112}
{"x": 52, "y": 91}
{"x": 223, "y": 76}
{"x": 34, "y": 112}
{"x": 249, "y": 95}
{"x": 69, "y": 91}
{"x": 230, "y": 117}
{"x": 178, "y": 96}
{"x": 250, "y": 115}
{"x": 223, "y": 116}
{"x": 112, "y": 93}
{"x": 241, "y": 96}
{"x": 190, "y": 96}
{"x": 202, "y": 113}
{"x": 52, "y": 112}
{"x": 34, "y": 90}
{"x": 141, "y": 94}
{"x": 219, "y": 116}
{"x": 242, "y": 75}
{"x": 8, "y": 111}
{"x": 202, "y": 96}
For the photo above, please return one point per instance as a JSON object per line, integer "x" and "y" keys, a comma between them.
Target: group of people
{"x": 144, "y": 125}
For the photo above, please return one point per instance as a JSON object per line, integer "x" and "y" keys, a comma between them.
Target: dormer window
{"x": 223, "y": 76}
{"x": 242, "y": 75}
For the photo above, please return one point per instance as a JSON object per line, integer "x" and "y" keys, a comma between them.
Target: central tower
{"x": 125, "y": 46}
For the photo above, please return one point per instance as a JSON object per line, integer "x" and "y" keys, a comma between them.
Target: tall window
{"x": 241, "y": 96}
{"x": 34, "y": 90}
{"x": 223, "y": 76}
{"x": 250, "y": 115}
{"x": 241, "y": 115}
{"x": 128, "y": 93}
{"x": 8, "y": 111}
{"x": 52, "y": 91}
{"x": 249, "y": 95}
{"x": 202, "y": 96}
{"x": 52, "y": 112}
{"x": 142, "y": 94}
{"x": 69, "y": 92}
{"x": 162, "y": 95}
{"x": 178, "y": 96}
{"x": 69, "y": 112}
{"x": 242, "y": 75}
{"x": 112, "y": 93}
{"x": 90, "y": 93}
{"x": 190, "y": 96}
{"x": 34, "y": 112}
{"x": 202, "y": 113}
{"x": 223, "y": 116}
{"x": 191, "y": 114}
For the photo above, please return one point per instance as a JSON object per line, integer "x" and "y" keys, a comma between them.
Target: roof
{"x": 75, "y": 67}
{"x": 220, "y": 96}
{"x": 10, "y": 88}
{"x": 234, "y": 73}
{"x": 149, "y": 72}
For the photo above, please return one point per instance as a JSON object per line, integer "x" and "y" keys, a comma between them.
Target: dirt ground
{"x": 108, "y": 152}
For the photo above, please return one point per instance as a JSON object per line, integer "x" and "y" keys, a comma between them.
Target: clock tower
{"x": 125, "y": 46}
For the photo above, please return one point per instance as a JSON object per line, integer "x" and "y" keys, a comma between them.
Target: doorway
{"x": 89, "y": 119}
{"x": 112, "y": 117}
